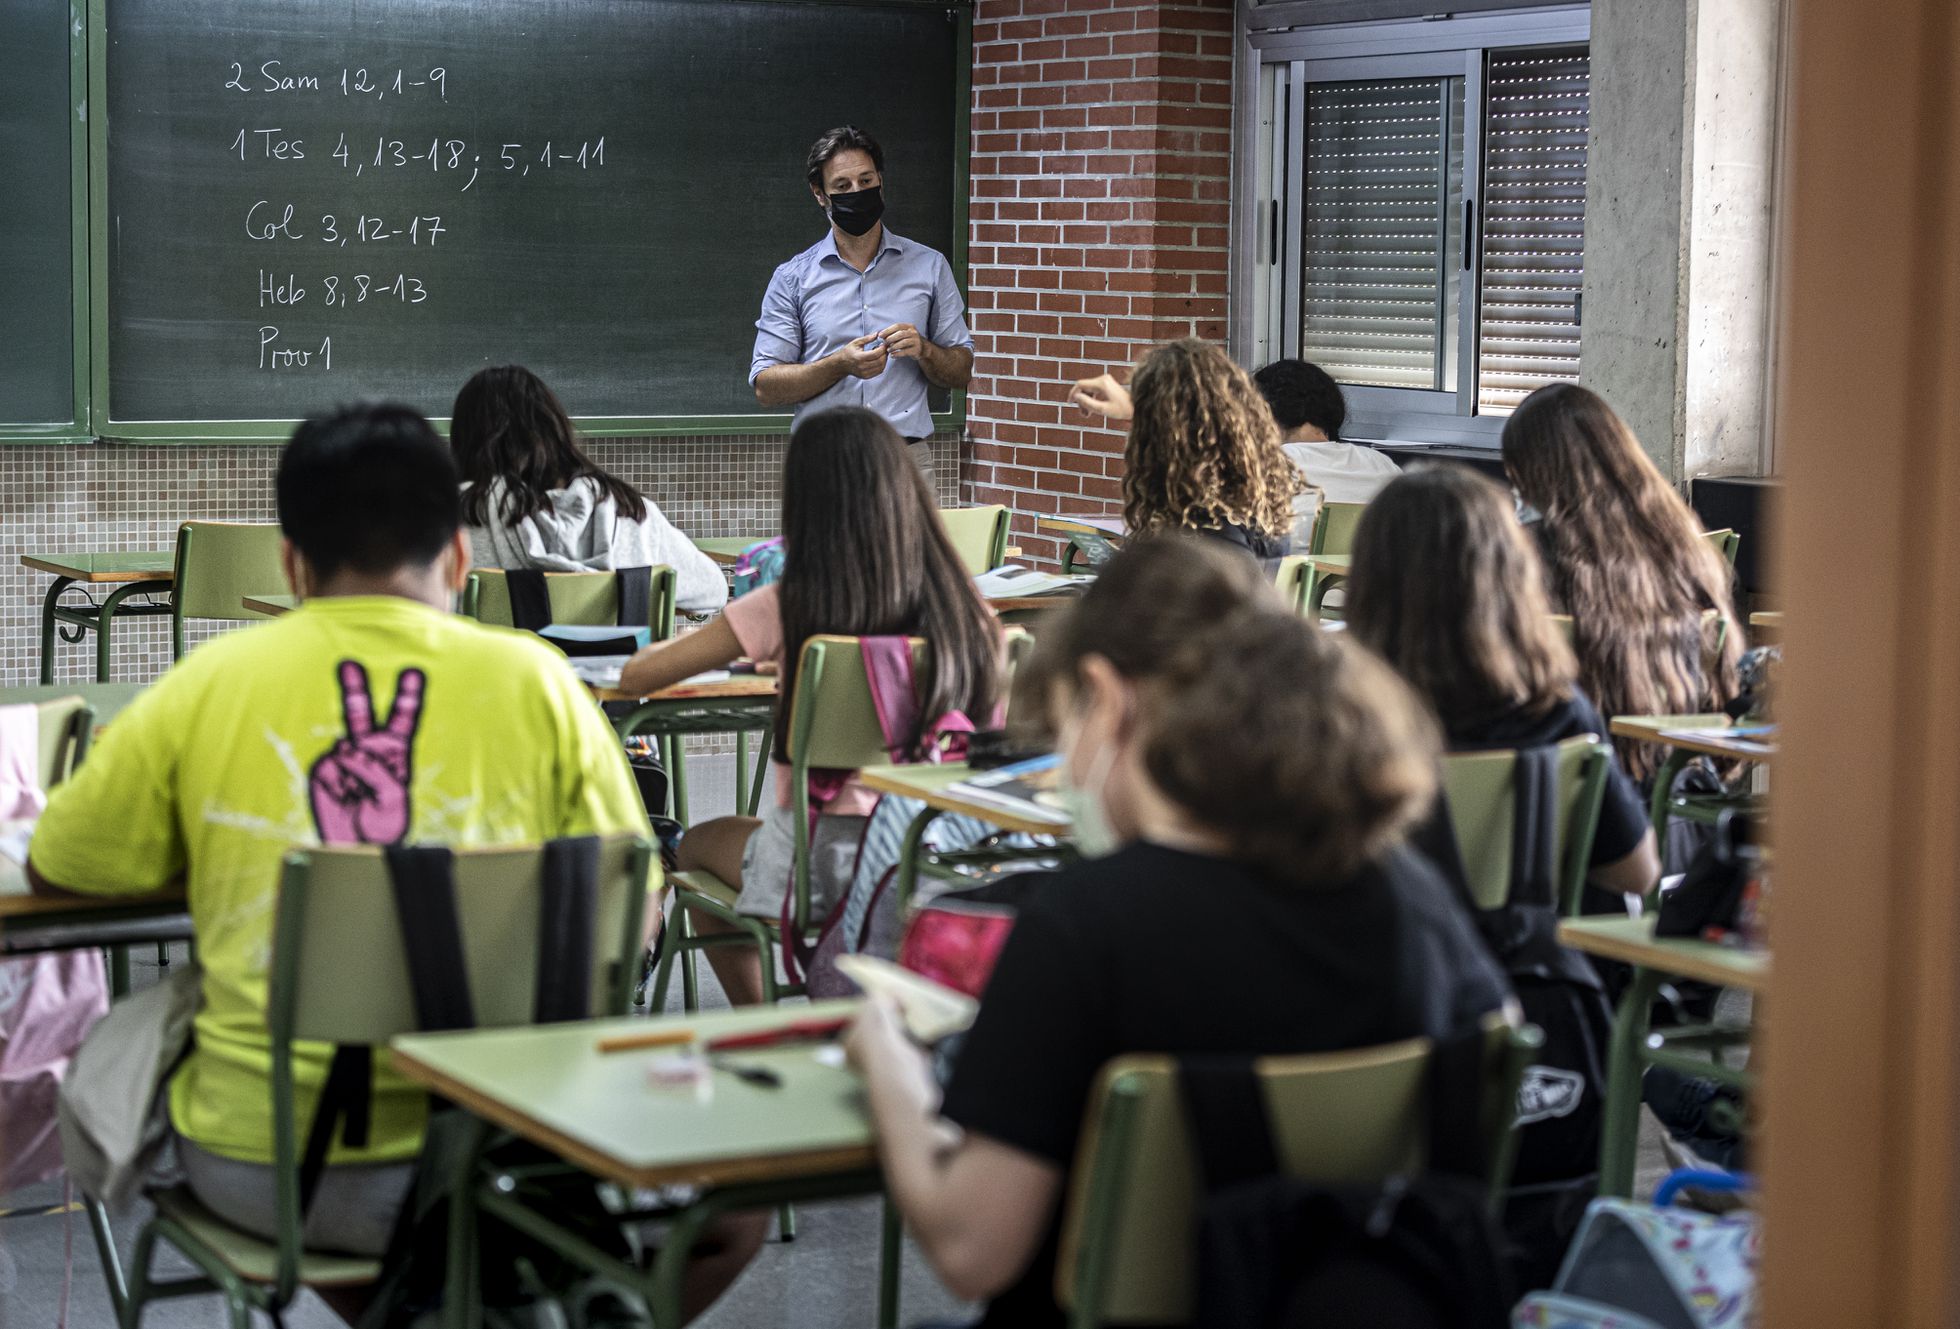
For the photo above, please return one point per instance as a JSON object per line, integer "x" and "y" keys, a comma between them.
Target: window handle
{"x": 1469, "y": 230}
{"x": 1274, "y": 250}
{"x": 1578, "y": 309}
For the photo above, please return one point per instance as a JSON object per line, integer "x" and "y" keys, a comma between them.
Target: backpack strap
{"x": 346, "y": 1095}
{"x": 635, "y": 597}
{"x": 530, "y": 605}
{"x": 424, "y": 881}
{"x": 1226, "y": 1113}
{"x": 568, "y": 914}
{"x": 1534, "y": 827}
{"x": 1455, "y": 1101}
{"x": 889, "y": 675}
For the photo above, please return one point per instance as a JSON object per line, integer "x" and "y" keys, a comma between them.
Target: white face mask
{"x": 1093, "y": 835}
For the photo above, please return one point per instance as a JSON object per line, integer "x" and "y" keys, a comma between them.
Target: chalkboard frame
{"x": 94, "y": 402}
{"x": 76, "y": 429}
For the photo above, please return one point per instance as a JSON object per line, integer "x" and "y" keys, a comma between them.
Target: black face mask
{"x": 857, "y": 212}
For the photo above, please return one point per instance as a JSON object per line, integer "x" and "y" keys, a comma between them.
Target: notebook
{"x": 932, "y": 1011}
{"x": 1024, "y": 788}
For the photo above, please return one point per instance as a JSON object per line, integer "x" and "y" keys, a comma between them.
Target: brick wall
{"x": 1101, "y": 206}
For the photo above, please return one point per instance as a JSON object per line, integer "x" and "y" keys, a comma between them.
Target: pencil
{"x": 654, "y": 1038}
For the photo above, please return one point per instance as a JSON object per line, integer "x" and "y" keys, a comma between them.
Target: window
{"x": 1420, "y": 202}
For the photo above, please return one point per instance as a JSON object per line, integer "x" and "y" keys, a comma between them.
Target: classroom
{"x": 979, "y": 662}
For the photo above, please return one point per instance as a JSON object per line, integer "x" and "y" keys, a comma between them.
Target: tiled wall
{"x": 115, "y": 497}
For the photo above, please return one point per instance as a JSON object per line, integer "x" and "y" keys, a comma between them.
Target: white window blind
{"x": 1534, "y": 222}
{"x": 1378, "y": 286}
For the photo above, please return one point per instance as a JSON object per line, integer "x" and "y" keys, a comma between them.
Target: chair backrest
{"x": 832, "y": 722}
{"x": 336, "y": 903}
{"x": 219, "y": 563}
{"x": 1480, "y": 790}
{"x": 66, "y": 724}
{"x": 979, "y": 535}
{"x": 1292, "y": 576}
{"x": 586, "y": 599}
{"x": 1726, "y": 541}
{"x": 1339, "y": 1119}
{"x": 1333, "y": 530}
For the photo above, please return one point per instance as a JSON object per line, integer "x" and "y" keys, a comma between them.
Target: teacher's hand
{"x": 904, "y": 341}
{"x": 863, "y": 360}
{"x": 1104, "y": 396}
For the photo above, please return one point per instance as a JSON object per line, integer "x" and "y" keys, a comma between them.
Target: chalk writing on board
{"x": 287, "y": 288}
{"x": 274, "y": 76}
{"x": 274, "y": 356}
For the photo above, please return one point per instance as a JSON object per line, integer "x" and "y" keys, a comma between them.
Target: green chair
{"x": 589, "y": 599}
{"x": 979, "y": 535}
{"x": 67, "y": 724}
{"x": 335, "y": 903}
{"x": 832, "y": 725}
{"x": 1293, "y": 575}
{"x": 1726, "y": 542}
{"x": 1480, "y": 789}
{"x": 1333, "y": 533}
{"x": 219, "y": 563}
{"x": 1341, "y": 1118}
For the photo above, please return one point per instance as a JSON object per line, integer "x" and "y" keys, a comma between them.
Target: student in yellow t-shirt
{"x": 369, "y": 715}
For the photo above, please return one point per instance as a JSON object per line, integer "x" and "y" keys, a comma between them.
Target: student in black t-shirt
{"x": 1447, "y": 589}
{"x": 1246, "y": 781}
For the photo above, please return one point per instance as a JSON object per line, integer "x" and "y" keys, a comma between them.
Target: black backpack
{"x": 1278, "y": 1253}
{"x": 1562, "y": 1094}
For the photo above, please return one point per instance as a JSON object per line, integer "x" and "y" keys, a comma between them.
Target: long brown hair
{"x": 1626, "y": 558}
{"x": 1204, "y": 448}
{"x": 865, "y": 555}
{"x": 1301, "y": 749}
{"x": 1447, "y": 590}
{"x": 508, "y": 426}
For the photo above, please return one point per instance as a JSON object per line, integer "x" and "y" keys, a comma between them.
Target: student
{"x": 1203, "y": 452}
{"x": 1447, "y": 589}
{"x": 1242, "y": 791}
{"x": 370, "y": 715}
{"x": 1626, "y": 558}
{"x": 1310, "y": 409}
{"x": 865, "y": 555}
{"x": 533, "y": 499}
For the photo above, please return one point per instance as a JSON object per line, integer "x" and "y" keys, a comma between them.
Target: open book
{"x": 932, "y": 1011}
{"x": 1011, "y": 581}
{"x": 1024, "y": 788}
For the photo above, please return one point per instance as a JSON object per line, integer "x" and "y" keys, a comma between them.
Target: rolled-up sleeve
{"x": 948, "y": 309}
{"x": 779, "y": 330}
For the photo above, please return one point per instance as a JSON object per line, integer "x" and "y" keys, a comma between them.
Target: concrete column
{"x": 1678, "y": 226}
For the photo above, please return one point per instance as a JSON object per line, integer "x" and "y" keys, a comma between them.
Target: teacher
{"x": 863, "y": 317}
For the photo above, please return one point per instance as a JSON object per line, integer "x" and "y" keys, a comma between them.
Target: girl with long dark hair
{"x": 865, "y": 555}
{"x": 533, "y": 499}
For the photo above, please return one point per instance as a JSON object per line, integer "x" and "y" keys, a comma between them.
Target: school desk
{"x": 745, "y": 1146}
{"x": 931, "y": 785}
{"x": 32, "y": 923}
{"x": 106, "y": 700}
{"x": 727, "y": 550}
{"x": 145, "y": 573}
{"x": 741, "y": 704}
{"x": 1328, "y": 569}
{"x": 273, "y": 605}
{"x": 1655, "y": 959}
{"x": 1707, "y": 740}
{"x": 1110, "y": 528}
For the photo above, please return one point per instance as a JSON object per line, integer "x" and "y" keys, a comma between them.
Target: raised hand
{"x": 360, "y": 785}
{"x": 1104, "y": 396}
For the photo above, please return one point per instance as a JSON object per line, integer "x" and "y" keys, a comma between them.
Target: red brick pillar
{"x": 1101, "y": 207}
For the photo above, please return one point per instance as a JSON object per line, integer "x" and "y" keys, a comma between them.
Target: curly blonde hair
{"x": 1204, "y": 448}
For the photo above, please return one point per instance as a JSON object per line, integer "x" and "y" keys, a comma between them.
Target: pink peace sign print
{"x": 360, "y": 785}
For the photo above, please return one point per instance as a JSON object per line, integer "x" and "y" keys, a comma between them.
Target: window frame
{"x": 1330, "y": 52}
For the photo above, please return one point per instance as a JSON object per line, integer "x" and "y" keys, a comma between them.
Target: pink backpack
{"x": 889, "y": 672}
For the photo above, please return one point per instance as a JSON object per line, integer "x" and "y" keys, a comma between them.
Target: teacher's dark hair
{"x": 844, "y": 138}
{"x": 508, "y": 426}
{"x": 367, "y": 487}
{"x": 865, "y": 555}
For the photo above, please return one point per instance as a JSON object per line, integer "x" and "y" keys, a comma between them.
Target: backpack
{"x": 761, "y": 564}
{"x": 530, "y": 609}
{"x": 1560, "y": 1096}
{"x": 1274, "y": 1252}
{"x": 1640, "y": 1266}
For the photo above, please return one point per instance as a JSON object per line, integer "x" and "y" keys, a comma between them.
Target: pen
{"x": 800, "y": 1032}
{"x": 759, "y": 1076}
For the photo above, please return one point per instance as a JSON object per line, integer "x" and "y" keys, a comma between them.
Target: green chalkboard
{"x": 302, "y": 203}
{"x": 40, "y": 100}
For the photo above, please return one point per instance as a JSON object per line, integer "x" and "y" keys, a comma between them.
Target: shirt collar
{"x": 827, "y": 247}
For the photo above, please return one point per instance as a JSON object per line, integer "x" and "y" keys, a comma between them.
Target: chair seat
{"x": 253, "y": 1259}
{"x": 704, "y": 886}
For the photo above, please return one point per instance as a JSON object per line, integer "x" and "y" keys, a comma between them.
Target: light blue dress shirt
{"x": 817, "y": 304}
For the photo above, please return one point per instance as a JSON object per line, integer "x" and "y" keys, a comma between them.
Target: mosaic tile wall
{"x": 117, "y": 497}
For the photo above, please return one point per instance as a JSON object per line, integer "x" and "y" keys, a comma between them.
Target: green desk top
{"x": 930, "y": 785}
{"x": 105, "y": 699}
{"x": 125, "y": 566}
{"x": 1632, "y": 941}
{"x": 727, "y": 548}
{"x": 552, "y": 1086}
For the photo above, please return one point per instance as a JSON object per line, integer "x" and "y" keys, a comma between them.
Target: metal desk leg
{"x": 1619, "y": 1128}
{"x": 462, "y": 1296}
{"x": 1660, "y": 809}
{"x": 761, "y": 776}
{"x": 908, "y": 857}
{"x": 48, "y": 627}
{"x": 106, "y": 615}
{"x": 105, "y": 1248}
{"x": 890, "y": 1253}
